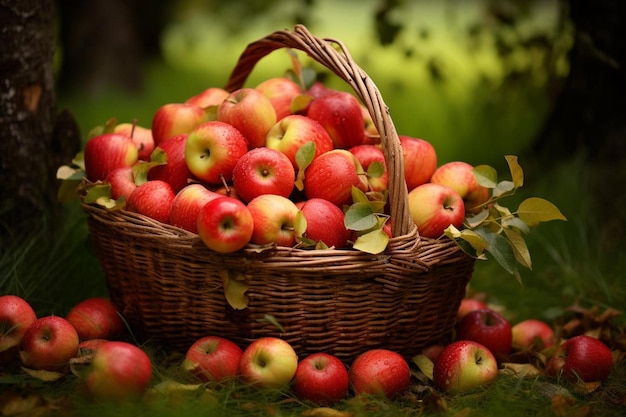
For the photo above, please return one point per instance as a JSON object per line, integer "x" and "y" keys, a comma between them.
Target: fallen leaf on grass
{"x": 521, "y": 370}
{"x": 425, "y": 365}
{"x": 47, "y": 376}
{"x": 326, "y": 412}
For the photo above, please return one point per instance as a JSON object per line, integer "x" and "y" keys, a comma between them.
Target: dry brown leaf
{"x": 47, "y": 376}
{"x": 326, "y": 412}
{"x": 521, "y": 370}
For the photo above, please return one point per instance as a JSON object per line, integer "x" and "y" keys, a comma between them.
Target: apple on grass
{"x": 122, "y": 181}
{"x": 341, "y": 115}
{"x": 96, "y": 318}
{"x": 48, "y": 344}
{"x": 420, "y": 160}
{"x": 434, "y": 207}
{"x": 380, "y": 372}
{"x": 268, "y": 362}
{"x": 105, "y": 152}
{"x": 141, "y": 136}
{"x": 225, "y": 224}
{"x": 175, "y": 171}
{"x": 368, "y": 154}
{"x": 16, "y": 315}
{"x": 463, "y": 366}
{"x": 489, "y": 328}
{"x": 174, "y": 119}
{"x": 213, "y": 359}
{"x": 250, "y": 112}
{"x": 459, "y": 176}
{"x": 581, "y": 358}
{"x": 274, "y": 219}
{"x": 280, "y": 91}
{"x": 324, "y": 222}
{"x": 332, "y": 175}
{"x": 119, "y": 371}
{"x": 187, "y": 204}
{"x": 212, "y": 151}
{"x": 321, "y": 378}
{"x": 263, "y": 171}
{"x": 290, "y": 133}
{"x": 152, "y": 199}
{"x": 532, "y": 333}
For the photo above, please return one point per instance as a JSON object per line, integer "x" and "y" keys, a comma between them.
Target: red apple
{"x": 225, "y": 224}
{"x": 332, "y": 175}
{"x": 380, "y": 372}
{"x": 318, "y": 89}
{"x": 122, "y": 181}
{"x": 175, "y": 171}
{"x": 16, "y": 315}
{"x": 250, "y": 112}
{"x": 459, "y": 176}
{"x": 263, "y": 171}
{"x": 463, "y": 366}
{"x": 532, "y": 333}
{"x": 49, "y": 343}
{"x": 325, "y": 222}
{"x": 187, "y": 204}
{"x": 104, "y": 153}
{"x": 583, "y": 358}
{"x": 119, "y": 371}
{"x": 268, "y": 362}
{"x": 141, "y": 136}
{"x": 212, "y": 96}
{"x": 434, "y": 207}
{"x": 280, "y": 91}
{"x": 321, "y": 378}
{"x": 274, "y": 218}
{"x": 340, "y": 114}
{"x": 212, "y": 150}
{"x": 96, "y": 318}
{"x": 213, "y": 358}
{"x": 366, "y": 154}
{"x": 489, "y": 328}
{"x": 174, "y": 119}
{"x": 291, "y": 132}
{"x": 152, "y": 199}
{"x": 467, "y": 305}
{"x": 420, "y": 161}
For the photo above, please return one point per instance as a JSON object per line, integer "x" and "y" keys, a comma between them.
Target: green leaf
{"x": 360, "y": 216}
{"x": 299, "y": 103}
{"x": 235, "y": 288}
{"x": 517, "y": 174}
{"x": 96, "y": 192}
{"x": 271, "y": 319}
{"x": 477, "y": 219}
{"x": 500, "y": 248}
{"x": 304, "y": 157}
{"x": 503, "y": 187}
{"x": 359, "y": 196}
{"x": 376, "y": 169}
{"x": 515, "y": 222}
{"x": 373, "y": 242}
{"x": 424, "y": 364}
{"x": 299, "y": 224}
{"x": 477, "y": 242}
{"x": 486, "y": 176}
{"x": 535, "y": 210}
{"x": 520, "y": 250}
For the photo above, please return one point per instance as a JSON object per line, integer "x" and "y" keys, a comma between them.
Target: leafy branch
{"x": 497, "y": 230}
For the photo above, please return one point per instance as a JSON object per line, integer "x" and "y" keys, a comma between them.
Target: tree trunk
{"x": 34, "y": 139}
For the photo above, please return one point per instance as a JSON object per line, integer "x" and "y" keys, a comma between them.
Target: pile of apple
{"x": 277, "y": 163}
{"x": 89, "y": 342}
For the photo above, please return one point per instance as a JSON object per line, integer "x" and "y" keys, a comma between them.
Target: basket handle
{"x": 334, "y": 55}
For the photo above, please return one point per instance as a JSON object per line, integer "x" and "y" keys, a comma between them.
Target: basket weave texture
{"x": 170, "y": 287}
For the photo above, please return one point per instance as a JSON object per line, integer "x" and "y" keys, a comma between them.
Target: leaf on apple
{"x": 486, "y": 176}
{"x": 141, "y": 168}
{"x": 373, "y": 242}
{"x": 360, "y": 216}
{"x": 376, "y": 169}
{"x": 424, "y": 364}
{"x": 304, "y": 157}
{"x": 235, "y": 287}
{"x": 535, "y": 210}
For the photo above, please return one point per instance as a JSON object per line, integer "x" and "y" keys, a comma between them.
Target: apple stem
{"x": 132, "y": 129}
{"x": 226, "y": 187}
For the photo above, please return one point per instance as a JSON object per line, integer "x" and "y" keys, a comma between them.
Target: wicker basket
{"x": 169, "y": 286}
